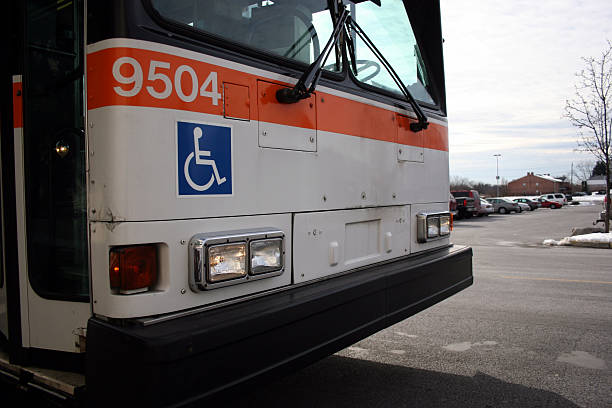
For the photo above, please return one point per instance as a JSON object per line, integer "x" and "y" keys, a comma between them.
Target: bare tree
{"x": 591, "y": 112}
{"x": 460, "y": 183}
{"x": 583, "y": 170}
{"x": 503, "y": 187}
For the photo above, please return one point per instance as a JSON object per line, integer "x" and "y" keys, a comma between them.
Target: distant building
{"x": 596, "y": 183}
{"x": 536, "y": 184}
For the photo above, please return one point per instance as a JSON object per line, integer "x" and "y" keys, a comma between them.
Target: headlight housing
{"x": 228, "y": 258}
{"x": 266, "y": 255}
{"x": 226, "y": 261}
{"x": 445, "y": 225}
{"x": 432, "y": 226}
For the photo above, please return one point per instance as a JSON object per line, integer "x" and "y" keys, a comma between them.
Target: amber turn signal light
{"x": 133, "y": 269}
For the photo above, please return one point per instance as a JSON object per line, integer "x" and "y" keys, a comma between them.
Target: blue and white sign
{"x": 204, "y": 159}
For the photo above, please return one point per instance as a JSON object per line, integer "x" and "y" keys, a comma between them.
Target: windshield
{"x": 293, "y": 29}
{"x": 389, "y": 29}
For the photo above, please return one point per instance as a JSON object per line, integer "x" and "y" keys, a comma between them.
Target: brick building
{"x": 535, "y": 184}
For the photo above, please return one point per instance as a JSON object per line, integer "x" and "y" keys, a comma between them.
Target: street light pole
{"x": 497, "y": 156}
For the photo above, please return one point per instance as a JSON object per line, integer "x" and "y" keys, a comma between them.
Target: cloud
{"x": 509, "y": 67}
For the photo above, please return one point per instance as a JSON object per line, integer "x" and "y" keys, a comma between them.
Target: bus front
{"x": 228, "y": 232}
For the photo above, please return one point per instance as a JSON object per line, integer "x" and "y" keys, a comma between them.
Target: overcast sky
{"x": 510, "y": 66}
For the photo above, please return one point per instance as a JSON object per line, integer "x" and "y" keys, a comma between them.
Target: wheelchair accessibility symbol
{"x": 204, "y": 159}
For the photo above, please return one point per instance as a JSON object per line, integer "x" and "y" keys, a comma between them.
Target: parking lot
{"x": 534, "y": 330}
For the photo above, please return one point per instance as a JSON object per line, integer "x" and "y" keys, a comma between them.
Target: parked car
{"x": 580, "y": 194}
{"x": 523, "y": 206}
{"x": 503, "y": 205}
{"x": 469, "y": 194}
{"x": 486, "y": 208}
{"x": 452, "y": 205}
{"x": 555, "y": 197}
{"x": 468, "y": 202}
{"x": 549, "y": 204}
{"x": 533, "y": 205}
{"x": 569, "y": 198}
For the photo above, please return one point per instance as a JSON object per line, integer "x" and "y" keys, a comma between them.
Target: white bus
{"x": 199, "y": 192}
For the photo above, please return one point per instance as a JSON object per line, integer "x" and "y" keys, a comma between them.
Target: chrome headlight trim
{"x": 423, "y": 220}
{"x": 199, "y": 245}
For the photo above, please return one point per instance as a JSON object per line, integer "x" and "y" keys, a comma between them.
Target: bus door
{"x": 3, "y": 305}
{"x": 50, "y": 178}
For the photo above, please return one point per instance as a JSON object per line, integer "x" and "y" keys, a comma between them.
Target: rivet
{"x": 322, "y": 100}
{"x": 400, "y": 151}
{"x": 363, "y": 195}
{"x": 394, "y": 196}
{"x": 311, "y": 105}
{"x": 324, "y": 198}
{"x": 183, "y": 291}
{"x": 183, "y": 242}
{"x": 264, "y": 133}
{"x": 91, "y": 124}
{"x": 311, "y": 139}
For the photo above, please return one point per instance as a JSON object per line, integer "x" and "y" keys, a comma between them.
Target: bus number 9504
{"x": 208, "y": 89}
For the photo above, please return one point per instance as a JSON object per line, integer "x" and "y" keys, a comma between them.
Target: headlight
{"x": 444, "y": 225}
{"x": 266, "y": 255}
{"x": 228, "y": 258}
{"x": 226, "y": 262}
{"x": 431, "y": 226}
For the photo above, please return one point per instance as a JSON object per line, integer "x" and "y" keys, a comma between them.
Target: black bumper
{"x": 181, "y": 360}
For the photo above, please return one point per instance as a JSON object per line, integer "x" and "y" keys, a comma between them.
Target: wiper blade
{"x": 422, "y": 119}
{"x": 309, "y": 79}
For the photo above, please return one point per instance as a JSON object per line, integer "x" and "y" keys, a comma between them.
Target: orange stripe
{"x": 341, "y": 115}
{"x": 322, "y": 111}
{"x": 17, "y": 105}
{"x": 300, "y": 114}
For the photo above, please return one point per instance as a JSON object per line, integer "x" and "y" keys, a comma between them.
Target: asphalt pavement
{"x": 535, "y": 330}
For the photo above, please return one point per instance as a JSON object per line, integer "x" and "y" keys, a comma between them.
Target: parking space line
{"x": 555, "y": 279}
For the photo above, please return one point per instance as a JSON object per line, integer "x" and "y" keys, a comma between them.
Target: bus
{"x": 197, "y": 194}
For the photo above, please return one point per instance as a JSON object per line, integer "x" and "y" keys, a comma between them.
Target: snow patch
{"x": 594, "y": 240}
{"x": 590, "y": 199}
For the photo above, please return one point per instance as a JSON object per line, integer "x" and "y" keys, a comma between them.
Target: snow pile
{"x": 594, "y": 240}
{"x": 590, "y": 199}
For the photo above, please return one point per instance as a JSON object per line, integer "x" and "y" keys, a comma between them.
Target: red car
{"x": 549, "y": 204}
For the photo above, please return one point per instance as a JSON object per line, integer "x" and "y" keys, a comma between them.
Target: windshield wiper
{"x": 309, "y": 79}
{"x": 422, "y": 119}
